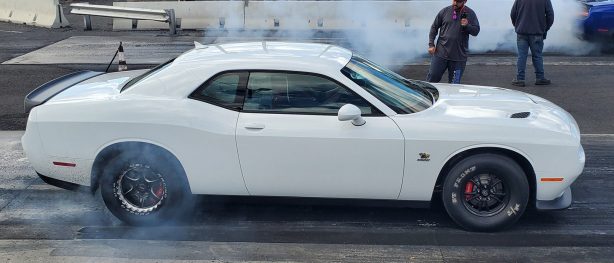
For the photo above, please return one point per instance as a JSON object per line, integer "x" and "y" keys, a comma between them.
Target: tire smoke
{"x": 396, "y": 32}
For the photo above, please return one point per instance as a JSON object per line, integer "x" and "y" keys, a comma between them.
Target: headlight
{"x": 585, "y": 12}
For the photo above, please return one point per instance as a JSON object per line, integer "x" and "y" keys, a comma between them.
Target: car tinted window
{"x": 223, "y": 90}
{"x": 400, "y": 94}
{"x": 299, "y": 93}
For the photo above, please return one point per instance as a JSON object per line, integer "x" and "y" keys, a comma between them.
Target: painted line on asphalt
{"x": 147, "y": 50}
{"x": 510, "y": 63}
{"x": 10, "y": 31}
{"x": 345, "y": 235}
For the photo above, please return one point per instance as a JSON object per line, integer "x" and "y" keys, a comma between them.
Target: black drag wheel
{"x": 486, "y": 192}
{"x": 144, "y": 190}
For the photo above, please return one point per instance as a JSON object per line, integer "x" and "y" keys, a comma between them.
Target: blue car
{"x": 598, "y": 20}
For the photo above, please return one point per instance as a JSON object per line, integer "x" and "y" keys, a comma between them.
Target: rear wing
{"x": 46, "y": 91}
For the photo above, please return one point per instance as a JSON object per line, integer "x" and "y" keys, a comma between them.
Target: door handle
{"x": 254, "y": 126}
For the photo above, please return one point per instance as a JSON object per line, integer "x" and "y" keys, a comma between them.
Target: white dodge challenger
{"x": 299, "y": 120}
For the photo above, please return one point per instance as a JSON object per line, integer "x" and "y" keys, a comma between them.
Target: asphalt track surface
{"x": 39, "y": 222}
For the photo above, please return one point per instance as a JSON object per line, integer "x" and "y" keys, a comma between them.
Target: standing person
{"x": 454, "y": 24}
{"x": 532, "y": 19}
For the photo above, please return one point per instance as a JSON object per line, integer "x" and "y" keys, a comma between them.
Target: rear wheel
{"x": 144, "y": 190}
{"x": 486, "y": 192}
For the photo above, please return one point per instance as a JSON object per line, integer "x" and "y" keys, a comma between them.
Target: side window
{"x": 223, "y": 90}
{"x": 281, "y": 92}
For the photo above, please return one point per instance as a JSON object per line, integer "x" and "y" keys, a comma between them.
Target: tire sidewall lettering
{"x": 513, "y": 210}
{"x": 460, "y": 178}
{"x": 505, "y": 169}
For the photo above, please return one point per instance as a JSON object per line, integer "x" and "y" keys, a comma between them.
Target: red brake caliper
{"x": 468, "y": 190}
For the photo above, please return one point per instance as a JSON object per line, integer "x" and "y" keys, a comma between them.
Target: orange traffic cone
{"x": 122, "y": 59}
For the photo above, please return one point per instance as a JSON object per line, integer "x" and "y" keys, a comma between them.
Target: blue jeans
{"x": 536, "y": 44}
{"x": 440, "y": 65}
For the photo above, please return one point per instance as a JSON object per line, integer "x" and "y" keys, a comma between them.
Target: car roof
{"x": 281, "y": 52}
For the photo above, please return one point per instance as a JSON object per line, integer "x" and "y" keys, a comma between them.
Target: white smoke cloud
{"x": 396, "y": 32}
{"x": 394, "y": 45}
{"x": 498, "y": 33}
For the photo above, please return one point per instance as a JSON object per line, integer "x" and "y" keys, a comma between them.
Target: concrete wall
{"x": 264, "y": 15}
{"x": 191, "y": 14}
{"x": 43, "y": 13}
{"x": 330, "y": 14}
{"x": 296, "y": 15}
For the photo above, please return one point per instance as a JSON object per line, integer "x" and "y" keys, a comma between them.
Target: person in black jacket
{"x": 532, "y": 19}
{"x": 454, "y": 24}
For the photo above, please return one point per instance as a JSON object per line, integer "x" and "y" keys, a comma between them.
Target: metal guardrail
{"x": 87, "y": 10}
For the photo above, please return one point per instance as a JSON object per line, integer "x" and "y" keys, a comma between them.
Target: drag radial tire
{"x": 485, "y": 192}
{"x": 144, "y": 189}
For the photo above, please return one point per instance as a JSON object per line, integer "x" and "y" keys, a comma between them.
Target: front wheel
{"x": 486, "y": 192}
{"x": 144, "y": 190}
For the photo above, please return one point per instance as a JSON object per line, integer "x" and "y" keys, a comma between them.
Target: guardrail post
{"x": 172, "y": 22}
{"x": 88, "y": 22}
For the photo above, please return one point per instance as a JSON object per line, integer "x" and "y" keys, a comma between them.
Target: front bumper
{"x": 562, "y": 202}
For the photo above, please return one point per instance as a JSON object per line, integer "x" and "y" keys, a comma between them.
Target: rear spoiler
{"x": 46, "y": 91}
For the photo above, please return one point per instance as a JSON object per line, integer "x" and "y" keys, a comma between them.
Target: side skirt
{"x": 269, "y": 199}
{"x": 284, "y": 200}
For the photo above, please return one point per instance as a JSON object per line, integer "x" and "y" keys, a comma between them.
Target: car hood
{"x": 599, "y": 3}
{"x": 481, "y": 101}
{"x": 100, "y": 87}
{"x": 468, "y": 109}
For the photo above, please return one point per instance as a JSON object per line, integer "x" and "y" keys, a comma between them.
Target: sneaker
{"x": 542, "y": 82}
{"x": 518, "y": 83}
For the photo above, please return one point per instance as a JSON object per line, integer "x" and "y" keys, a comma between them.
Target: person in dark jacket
{"x": 454, "y": 24}
{"x": 532, "y": 19}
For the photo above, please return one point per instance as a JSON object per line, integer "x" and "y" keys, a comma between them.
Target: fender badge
{"x": 424, "y": 157}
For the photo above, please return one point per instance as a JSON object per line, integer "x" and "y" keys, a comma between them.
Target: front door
{"x": 291, "y": 143}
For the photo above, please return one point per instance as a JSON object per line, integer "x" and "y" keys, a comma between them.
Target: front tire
{"x": 486, "y": 192}
{"x": 144, "y": 189}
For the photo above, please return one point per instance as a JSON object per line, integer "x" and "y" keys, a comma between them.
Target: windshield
{"x": 400, "y": 94}
{"x": 148, "y": 73}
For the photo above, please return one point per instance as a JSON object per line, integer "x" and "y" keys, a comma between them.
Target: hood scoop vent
{"x": 520, "y": 115}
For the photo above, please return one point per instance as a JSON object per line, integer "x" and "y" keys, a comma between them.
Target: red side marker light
{"x": 552, "y": 179}
{"x": 64, "y": 164}
{"x": 602, "y": 30}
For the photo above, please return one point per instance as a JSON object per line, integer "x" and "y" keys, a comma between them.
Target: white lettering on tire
{"x": 513, "y": 210}
{"x": 462, "y": 175}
